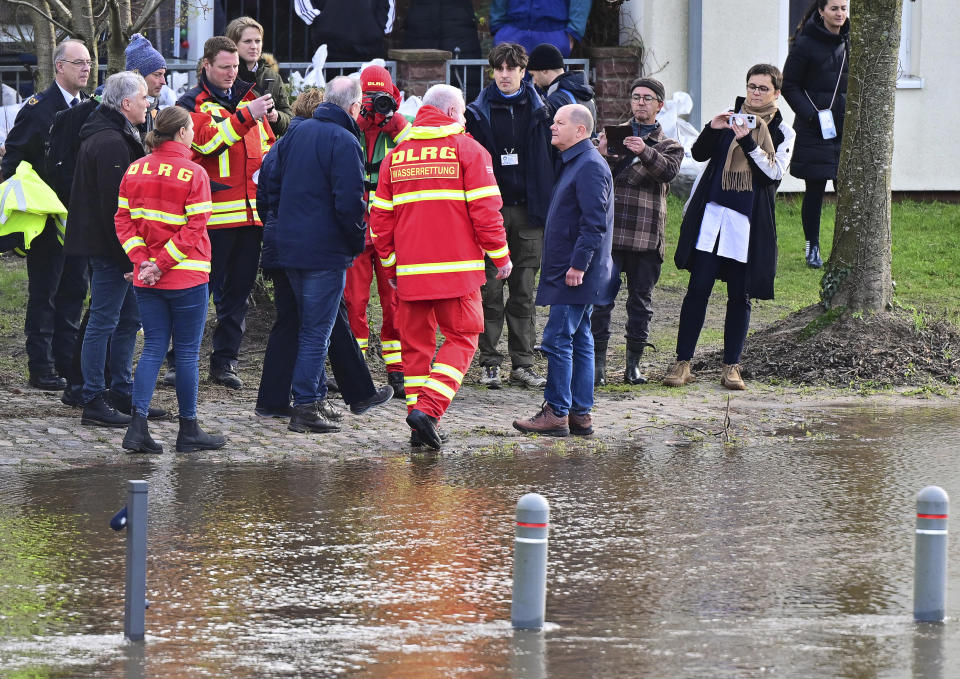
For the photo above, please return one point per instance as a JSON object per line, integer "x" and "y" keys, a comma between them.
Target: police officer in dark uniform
{"x": 56, "y": 285}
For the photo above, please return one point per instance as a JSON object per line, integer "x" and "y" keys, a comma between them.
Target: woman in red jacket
{"x": 161, "y": 222}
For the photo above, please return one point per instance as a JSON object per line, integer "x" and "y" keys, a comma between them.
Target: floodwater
{"x": 670, "y": 558}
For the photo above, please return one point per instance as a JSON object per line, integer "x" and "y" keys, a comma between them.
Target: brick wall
{"x": 614, "y": 69}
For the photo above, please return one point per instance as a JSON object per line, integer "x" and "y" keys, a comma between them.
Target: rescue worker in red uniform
{"x": 230, "y": 140}
{"x": 381, "y": 132}
{"x": 436, "y": 213}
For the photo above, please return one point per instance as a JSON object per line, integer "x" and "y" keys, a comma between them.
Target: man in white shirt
{"x": 729, "y": 230}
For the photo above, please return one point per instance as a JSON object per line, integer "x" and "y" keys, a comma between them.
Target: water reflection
{"x": 788, "y": 558}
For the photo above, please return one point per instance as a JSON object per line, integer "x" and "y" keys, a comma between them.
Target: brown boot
{"x": 546, "y": 423}
{"x": 678, "y": 375}
{"x": 580, "y": 425}
{"x": 730, "y": 377}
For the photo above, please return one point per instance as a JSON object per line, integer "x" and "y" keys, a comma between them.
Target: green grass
{"x": 926, "y": 256}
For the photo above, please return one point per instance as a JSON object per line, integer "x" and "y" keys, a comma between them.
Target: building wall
{"x": 923, "y": 148}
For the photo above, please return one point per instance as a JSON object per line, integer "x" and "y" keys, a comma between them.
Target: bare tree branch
{"x": 44, "y": 14}
{"x": 145, "y": 15}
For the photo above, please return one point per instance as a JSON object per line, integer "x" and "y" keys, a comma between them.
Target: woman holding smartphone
{"x": 815, "y": 86}
{"x": 254, "y": 68}
{"x": 161, "y": 223}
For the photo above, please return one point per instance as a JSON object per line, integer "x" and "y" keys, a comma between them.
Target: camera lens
{"x": 383, "y": 103}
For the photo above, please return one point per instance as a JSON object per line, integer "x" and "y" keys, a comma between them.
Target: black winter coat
{"x": 352, "y": 30}
{"x": 107, "y": 150}
{"x": 442, "y": 25}
{"x": 762, "y": 250}
{"x": 570, "y": 87}
{"x": 813, "y": 66}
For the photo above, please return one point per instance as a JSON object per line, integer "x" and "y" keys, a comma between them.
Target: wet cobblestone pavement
{"x": 36, "y": 429}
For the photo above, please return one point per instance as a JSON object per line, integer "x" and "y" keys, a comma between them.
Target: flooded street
{"x": 669, "y": 558}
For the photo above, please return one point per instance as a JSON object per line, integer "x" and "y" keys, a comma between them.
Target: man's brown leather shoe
{"x": 545, "y": 423}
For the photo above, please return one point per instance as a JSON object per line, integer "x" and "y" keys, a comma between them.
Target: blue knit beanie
{"x": 141, "y": 57}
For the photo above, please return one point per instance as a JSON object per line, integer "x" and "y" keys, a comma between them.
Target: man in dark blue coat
{"x": 575, "y": 275}
{"x": 346, "y": 359}
{"x": 318, "y": 232}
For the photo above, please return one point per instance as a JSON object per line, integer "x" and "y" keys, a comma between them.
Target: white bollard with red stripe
{"x": 930, "y": 555}
{"x": 529, "y": 605}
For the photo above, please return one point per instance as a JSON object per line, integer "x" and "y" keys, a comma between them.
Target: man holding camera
{"x": 230, "y": 139}
{"x": 642, "y": 170}
{"x": 382, "y": 129}
{"x": 729, "y": 231}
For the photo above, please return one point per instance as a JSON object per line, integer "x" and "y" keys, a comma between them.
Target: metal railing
{"x": 19, "y": 77}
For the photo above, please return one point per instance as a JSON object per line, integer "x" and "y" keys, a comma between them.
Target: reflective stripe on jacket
{"x": 25, "y": 203}
{"x": 436, "y": 212}
{"x": 229, "y": 145}
{"x": 162, "y": 215}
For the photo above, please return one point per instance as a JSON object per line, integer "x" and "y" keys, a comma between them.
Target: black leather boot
{"x": 192, "y": 438}
{"x": 632, "y": 374}
{"x": 395, "y": 380}
{"x": 138, "y": 439}
{"x": 99, "y": 413}
{"x": 308, "y": 418}
{"x": 599, "y": 364}
{"x": 124, "y": 404}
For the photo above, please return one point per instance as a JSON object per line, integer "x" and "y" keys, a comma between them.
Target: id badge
{"x": 827, "y": 126}
{"x": 509, "y": 159}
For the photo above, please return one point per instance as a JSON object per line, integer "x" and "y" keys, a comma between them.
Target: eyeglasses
{"x": 644, "y": 97}
{"x": 79, "y": 62}
{"x": 758, "y": 88}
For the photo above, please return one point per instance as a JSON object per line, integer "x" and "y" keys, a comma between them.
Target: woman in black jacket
{"x": 815, "y": 86}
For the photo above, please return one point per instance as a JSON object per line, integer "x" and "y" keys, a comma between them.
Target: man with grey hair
{"x": 435, "y": 215}
{"x": 110, "y": 142}
{"x": 57, "y": 286}
{"x": 318, "y": 232}
{"x": 575, "y": 275}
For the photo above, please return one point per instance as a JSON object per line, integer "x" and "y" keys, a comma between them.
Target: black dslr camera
{"x": 382, "y": 103}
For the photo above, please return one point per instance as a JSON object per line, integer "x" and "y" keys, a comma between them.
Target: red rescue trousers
{"x": 356, "y": 295}
{"x": 431, "y": 383}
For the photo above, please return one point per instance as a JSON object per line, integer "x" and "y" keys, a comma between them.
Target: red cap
{"x": 377, "y": 79}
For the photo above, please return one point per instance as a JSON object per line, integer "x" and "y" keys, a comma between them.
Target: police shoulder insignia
{"x": 31, "y": 101}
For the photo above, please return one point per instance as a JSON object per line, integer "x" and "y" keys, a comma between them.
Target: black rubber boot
{"x": 632, "y": 374}
{"x": 599, "y": 363}
{"x": 395, "y": 380}
{"x": 192, "y": 438}
{"x": 138, "y": 439}
{"x": 426, "y": 428}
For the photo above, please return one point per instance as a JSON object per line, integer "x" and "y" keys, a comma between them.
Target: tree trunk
{"x": 45, "y": 41}
{"x": 858, "y": 274}
{"x": 82, "y": 24}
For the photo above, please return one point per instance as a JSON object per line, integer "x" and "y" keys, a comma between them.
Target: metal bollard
{"x": 930, "y": 555}
{"x": 136, "y": 585}
{"x": 529, "y": 605}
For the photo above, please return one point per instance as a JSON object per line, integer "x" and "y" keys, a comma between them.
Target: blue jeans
{"x": 114, "y": 319}
{"x": 568, "y": 344}
{"x": 318, "y": 294}
{"x": 184, "y": 313}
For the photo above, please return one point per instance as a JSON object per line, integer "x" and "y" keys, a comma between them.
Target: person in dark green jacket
{"x": 254, "y": 68}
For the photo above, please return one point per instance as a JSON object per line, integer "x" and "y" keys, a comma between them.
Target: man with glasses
{"x": 56, "y": 285}
{"x": 729, "y": 229}
{"x": 642, "y": 171}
